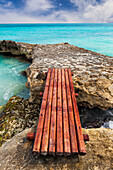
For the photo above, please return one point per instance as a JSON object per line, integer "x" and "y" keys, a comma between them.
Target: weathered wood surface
{"x": 39, "y": 132}
{"x": 52, "y": 141}
{"x": 59, "y": 129}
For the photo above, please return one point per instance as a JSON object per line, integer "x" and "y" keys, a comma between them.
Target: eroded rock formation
{"x": 93, "y": 80}
{"x": 93, "y": 72}
{"x": 17, "y": 48}
{"x": 17, "y": 115}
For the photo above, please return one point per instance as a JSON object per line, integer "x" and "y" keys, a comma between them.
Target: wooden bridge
{"x": 59, "y": 128}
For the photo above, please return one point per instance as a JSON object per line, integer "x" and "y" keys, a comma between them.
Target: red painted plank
{"x": 45, "y": 139}
{"x": 73, "y": 136}
{"x": 39, "y": 131}
{"x": 52, "y": 141}
{"x": 67, "y": 147}
{"x": 81, "y": 144}
{"x": 59, "y": 150}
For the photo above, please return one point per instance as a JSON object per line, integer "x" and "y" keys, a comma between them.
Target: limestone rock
{"x": 111, "y": 89}
{"x": 93, "y": 72}
{"x": 17, "y": 154}
{"x": 16, "y": 48}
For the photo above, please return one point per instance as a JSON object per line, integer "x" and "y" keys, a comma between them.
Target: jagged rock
{"x": 17, "y": 48}
{"x": 93, "y": 72}
{"x": 17, "y": 154}
{"x": 17, "y": 115}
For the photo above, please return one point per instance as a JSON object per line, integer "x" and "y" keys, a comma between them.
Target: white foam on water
{"x": 7, "y": 94}
{"x": 11, "y": 81}
{"x": 108, "y": 125}
{"x": 110, "y": 113}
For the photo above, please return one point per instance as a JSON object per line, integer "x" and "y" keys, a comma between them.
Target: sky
{"x": 56, "y": 11}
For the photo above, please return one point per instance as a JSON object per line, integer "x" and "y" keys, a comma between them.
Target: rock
{"x": 93, "y": 72}
{"x": 16, "y": 48}
{"x": 17, "y": 115}
{"x": 17, "y": 154}
{"x": 94, "y": 117}
{"x": 19, "y": 130}
{"x": 111, "y": 89}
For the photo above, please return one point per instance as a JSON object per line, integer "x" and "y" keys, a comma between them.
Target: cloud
{"x": 40, "y": 5}
{"x": 6, "y": 4}
{"x": 93, "y": 11}
{"x": 87, "y": 11}
{"x": 102, "y": 12}
{"x": 82, "y": 4}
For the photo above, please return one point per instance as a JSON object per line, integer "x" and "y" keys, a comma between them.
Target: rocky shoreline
{"x": 93, "y": 80}
{"x": 93, "y": 72}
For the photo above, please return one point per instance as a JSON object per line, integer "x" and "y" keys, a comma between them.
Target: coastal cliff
{"x": 93, "y": 72}
{"x": 93, "y": 81}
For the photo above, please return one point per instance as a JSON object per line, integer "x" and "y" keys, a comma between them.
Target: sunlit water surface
{"x": 11, "y": 81}
{"x": 97, "y": 37}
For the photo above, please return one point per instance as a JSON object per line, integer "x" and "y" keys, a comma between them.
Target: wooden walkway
{"x": 59, "y": 128}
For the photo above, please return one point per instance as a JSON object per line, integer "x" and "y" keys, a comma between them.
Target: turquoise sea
{"x": 11, "y": 81}
{"x": 95, "y": 37}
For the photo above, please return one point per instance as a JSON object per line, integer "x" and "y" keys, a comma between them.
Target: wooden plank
{"x": 52, "y": 140}
{"x": 39, "y": 131}
{"x": 46, "y": 131}
{"x": 73, "y": 136}
{"x": 59, "y": 150}
{"x": 67, "y": 147}
{"x": 81, "y": 144}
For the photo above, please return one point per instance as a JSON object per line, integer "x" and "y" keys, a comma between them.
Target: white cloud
{"x": 14, "y": 16}
{"x": 38, "y": 5}
{"x": 93, "y": 11}
{"x": 99, "y": 13}
{"x": 82, "y": 4}
{"x": 88, "y": 11}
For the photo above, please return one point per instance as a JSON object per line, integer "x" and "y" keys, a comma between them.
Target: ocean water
{"x": 11, "y": 81}
{"x": 95, "y": 37}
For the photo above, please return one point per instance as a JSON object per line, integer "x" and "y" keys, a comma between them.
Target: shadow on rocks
{"x": 95, "y": 117}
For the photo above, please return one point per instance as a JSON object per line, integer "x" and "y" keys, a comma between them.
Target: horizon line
{"x": 55, "y": 23}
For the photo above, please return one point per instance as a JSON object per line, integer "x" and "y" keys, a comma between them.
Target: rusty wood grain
{"x": 73, "y": 135}
{"x": 52, "y": 140}
{"x": 81, "y": 144}
{"x": 59, "y": 150}
{"x": 46, "y": 131}
{"x": 66, "y": 133}
{"x": 39, "y": 131}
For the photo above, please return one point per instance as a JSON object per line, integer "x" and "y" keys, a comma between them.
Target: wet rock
{"x": 95, "y": 117}
{"x": 18, "y": 114}
{"x": 16, "y": 48}
{"x": 23, "y": 73}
